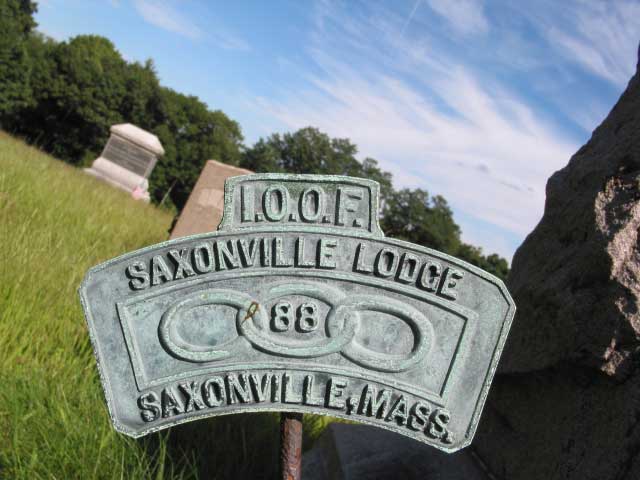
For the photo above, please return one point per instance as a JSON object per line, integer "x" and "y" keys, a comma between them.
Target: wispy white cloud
{"x": 443, "y": 129}
{"x": 464, "y": 16}
{"x": 228, "y": 41}
{"x": 602, "y": 37}
{"x": 164, "y": 15}
{"x": 439, "y": 118}
{"x": 490, "y": 158}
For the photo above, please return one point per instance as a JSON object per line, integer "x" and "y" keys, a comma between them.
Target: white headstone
{"x": 128, "y": 159}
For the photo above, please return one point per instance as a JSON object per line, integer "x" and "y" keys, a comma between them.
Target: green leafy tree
{"x": 142, "y": 93}
{"x": 16, "y": 23}
{"x": 310, "y": 151}
{"x": 191, "y": 134}
{"x": 414, "y": 216}
{"x": 78, "y": 87}
{"x": 491, "y": 263}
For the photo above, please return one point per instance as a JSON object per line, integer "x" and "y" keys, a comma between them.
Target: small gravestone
{"x": 203, "y": 210}
{"x": 128, "y": 159}
{"x": 298, "y": 303}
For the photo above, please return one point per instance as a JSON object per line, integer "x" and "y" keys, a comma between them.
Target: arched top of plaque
{"x": 335, "y": 203}
{"x": 297, "y": 303}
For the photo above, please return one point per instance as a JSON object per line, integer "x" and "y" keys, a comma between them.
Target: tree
{"x": 310, "y": 151}
{"x": 16, "y": 23}
{"x": 413, "y": 216}
{"x": 493, "y": 263}
{"x": 191, "y": 134}
{"x": 77, "y": 91}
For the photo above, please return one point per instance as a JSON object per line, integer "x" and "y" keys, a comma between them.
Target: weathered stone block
{"x": 203, "y": 211}
{"x": 566, "y": 402}
{"x": 360, "y": 452}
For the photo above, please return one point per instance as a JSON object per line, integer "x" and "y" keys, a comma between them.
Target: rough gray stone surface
{"x": 566, "y": 402}
{"x": 361, "y": 452}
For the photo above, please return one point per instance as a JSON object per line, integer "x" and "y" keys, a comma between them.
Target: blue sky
{"x": 479, "y": 101}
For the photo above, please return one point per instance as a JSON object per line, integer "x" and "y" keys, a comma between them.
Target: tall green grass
{"x": 55, "y": 223}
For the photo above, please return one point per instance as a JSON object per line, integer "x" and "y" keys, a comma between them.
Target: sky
{"x": 477, "y": 101}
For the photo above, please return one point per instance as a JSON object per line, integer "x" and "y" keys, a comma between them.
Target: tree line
{"x": 64, "y": 96}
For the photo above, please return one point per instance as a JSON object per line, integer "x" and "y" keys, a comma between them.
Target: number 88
{"x": 306, "y": 318}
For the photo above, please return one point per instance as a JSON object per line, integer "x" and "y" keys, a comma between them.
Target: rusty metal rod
{"x": 290, "y": 446}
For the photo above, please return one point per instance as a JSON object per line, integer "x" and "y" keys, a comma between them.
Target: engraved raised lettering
{"x": 346, "y": 201}
{"x": 373, "y": 404}
{"x": 408, "y": 270}
{"x": 386, "y": 262}
{"x": 288, "y": 395}
{"x": 170, "y": 404}
{"x": 281, "y": 317}
{"x": 300, "y": 255}
{"x": 335, "y": 392}
{"x": 307, "y": 392}
{"x": 398, "y": 412}
{"x": 248, "y": 252}
{"x": 275, "y": 211}
{"x": 139, "y": 276}
{"x": 191, "y": 392}
{"x": 183, "y": 266}
{"x": 280, "y": 259}
{"x": 160, "y": 272}
{"x": 360, "y": 265}
{"x": 352, "y": 404}
{"x": 261, "y": 386}
{"x": 149, "y": 405}
{"x": 227, "y": 255}
{"x": 326, "y": 251}
{"x": 307, "y": 200}
{"x": 266, "y": 252}
{"x": 246, "y": 203}
{"x": 438, "y": 424}
{"x": 307, "y": 317}
{"x": 213, "y": 392}
{"x": 430, "y": 276}
{"x": 275, "y": 389}
{"x": 449, "y": 283}
{"x": 203, "y": 257}
{"x": 238, "y": 388}
{"x": 419, "y": 416}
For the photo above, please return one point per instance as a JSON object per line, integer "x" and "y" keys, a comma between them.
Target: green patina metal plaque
{"x": 297, "y": 303}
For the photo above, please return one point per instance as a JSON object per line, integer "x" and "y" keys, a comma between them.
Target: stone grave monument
{"x": 128, "y": 159}
{"x": 566, "y": 401}
{"x": 203, "y": 211}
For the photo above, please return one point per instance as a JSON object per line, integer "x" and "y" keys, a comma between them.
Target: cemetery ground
{"x": 55, "y": 223}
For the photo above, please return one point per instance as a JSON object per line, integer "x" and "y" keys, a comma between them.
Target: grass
{"x": 55, "y": 223}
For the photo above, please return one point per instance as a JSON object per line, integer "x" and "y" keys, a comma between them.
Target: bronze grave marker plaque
{"x": 297, "y": 303}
